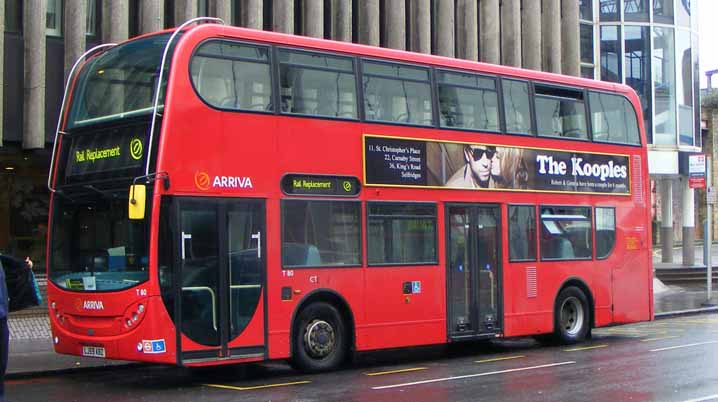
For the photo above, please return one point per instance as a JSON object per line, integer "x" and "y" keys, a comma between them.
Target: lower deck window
{"x": 522, "y": 233}
{"x": 320, "y": 233}
{"x": 605, "y": 232}
{"x": 566, "y": 233}
{"x": 401, "y": 233}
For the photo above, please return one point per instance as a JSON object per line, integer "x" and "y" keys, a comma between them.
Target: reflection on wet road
{"x": 668, "y": 360}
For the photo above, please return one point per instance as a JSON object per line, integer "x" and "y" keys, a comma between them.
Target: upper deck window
{"x": 613, "y": 119}
{"x": 233, "y": 75}
{"x": 317, "y": 84}
{"x": 119, "y": 83}
{"x": 468, "y": 101}
{"x": 517, "y": 106}
{"x": 560, "y": 112}
{"x": 397, "y": 93}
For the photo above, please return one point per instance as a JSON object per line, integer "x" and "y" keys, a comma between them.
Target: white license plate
{"x": 93, "y": 351}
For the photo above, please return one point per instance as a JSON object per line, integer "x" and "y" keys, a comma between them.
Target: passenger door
{"x": 222, "y": 279}
{"x": 473, "y": 270}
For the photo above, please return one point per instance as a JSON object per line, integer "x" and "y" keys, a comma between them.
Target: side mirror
{"x": 136, "y": 205}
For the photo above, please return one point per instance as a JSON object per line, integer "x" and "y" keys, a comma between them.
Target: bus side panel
{"x": 532, "y": 314}
{"x": 523, "y": 313}
{"x": 632, "y": 278}
{"x": 404, "y": 307}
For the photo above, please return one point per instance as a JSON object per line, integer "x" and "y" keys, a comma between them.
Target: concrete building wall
{"x": 151, "y": 16}
{"x": 34, "y": 84}
{"x": 75, "y": 28}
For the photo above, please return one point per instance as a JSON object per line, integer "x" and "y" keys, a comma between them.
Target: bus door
{"x": 221, "y": 256}
{"x": 473, "y": 270}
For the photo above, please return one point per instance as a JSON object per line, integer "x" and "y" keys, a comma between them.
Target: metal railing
{"x": 70, "y": 77}
{"x": 159, "y": 80}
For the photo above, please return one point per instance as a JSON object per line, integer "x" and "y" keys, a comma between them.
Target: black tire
{"x": 571, "y": 316}
{"x": 320, "y": 338}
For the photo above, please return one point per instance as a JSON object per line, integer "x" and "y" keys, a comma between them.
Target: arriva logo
{"x": 203, "y": 181}
{"x": 93, "y": 305}
{"x": 136, "y": 149}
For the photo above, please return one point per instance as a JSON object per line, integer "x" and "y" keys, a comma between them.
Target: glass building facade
{"x": 650, "y": 45}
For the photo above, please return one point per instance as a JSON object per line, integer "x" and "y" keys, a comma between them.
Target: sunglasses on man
{"x": 478, "y": 153}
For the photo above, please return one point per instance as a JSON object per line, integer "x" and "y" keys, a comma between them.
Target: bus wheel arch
{"x": 575, "y": 300}
{"x": 316, "y": 314}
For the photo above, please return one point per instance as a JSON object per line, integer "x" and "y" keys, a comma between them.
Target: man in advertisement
{"x": 482, "y": 168}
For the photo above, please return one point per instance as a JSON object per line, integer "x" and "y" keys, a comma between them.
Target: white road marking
{"x": 461, "y": 377}
{"x": 683, "y": 346}
{"x": 703, "y": 399}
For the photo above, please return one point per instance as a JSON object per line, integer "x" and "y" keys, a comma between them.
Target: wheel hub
{"x": 319, "y": 338}
{"x": 572, "y": 316}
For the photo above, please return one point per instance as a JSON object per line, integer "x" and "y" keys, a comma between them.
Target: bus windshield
{"x": 119, "y": 83}
{"x": 95, "y": 246}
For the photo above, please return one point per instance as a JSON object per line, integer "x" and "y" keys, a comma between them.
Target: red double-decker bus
{"x": 225, "y": 195}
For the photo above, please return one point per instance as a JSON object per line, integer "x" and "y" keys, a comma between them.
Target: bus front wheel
{"x": 571, "y": 316}
{"x": 320, "y": 338}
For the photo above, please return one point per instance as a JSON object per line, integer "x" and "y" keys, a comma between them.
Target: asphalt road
{"x": 667, "y": 360}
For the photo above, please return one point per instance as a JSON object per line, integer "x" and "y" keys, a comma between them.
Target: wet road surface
{"x": 667, "y": 360}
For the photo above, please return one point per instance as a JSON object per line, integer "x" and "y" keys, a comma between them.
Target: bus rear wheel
{"x": 571, "y": 316}
{"x": 320, "y": 338}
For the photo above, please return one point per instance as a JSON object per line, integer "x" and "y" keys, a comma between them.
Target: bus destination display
{"x": 423, "y": 163}
{"x": 115, "y": 151}
{"x": 341, "y": 186}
